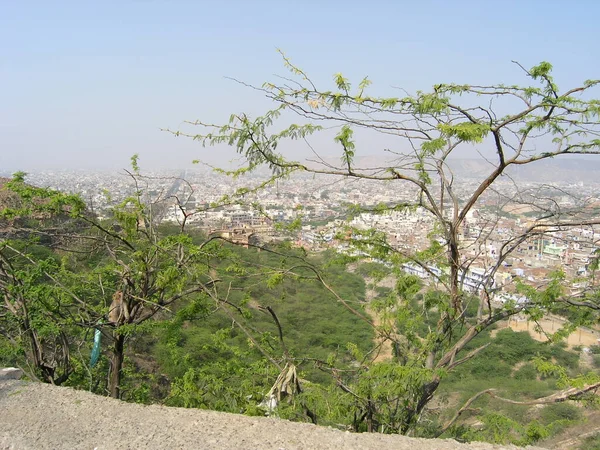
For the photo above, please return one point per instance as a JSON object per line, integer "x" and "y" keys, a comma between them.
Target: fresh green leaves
{"x": 433, "y": 146}
{"x": 542, "y": 70}
{"x": 344, "y": 138}
{"x": 342, "y": 83}
{"x": 466, "y": 131}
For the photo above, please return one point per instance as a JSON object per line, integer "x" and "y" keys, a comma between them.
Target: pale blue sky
{"x": 89, "y": 83}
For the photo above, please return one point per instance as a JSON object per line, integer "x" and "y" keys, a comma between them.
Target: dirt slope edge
{"x": 40, "y": 416}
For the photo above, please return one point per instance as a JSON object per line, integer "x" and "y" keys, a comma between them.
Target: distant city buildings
{"x": 235, "y": 208}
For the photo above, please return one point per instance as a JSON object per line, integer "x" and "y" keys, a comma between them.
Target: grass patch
{"x": 591, "y": 443}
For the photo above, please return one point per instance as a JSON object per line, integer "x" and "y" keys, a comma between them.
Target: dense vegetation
{"x": 219, "y": 355}
{"x": 208, "y": 321}
{"x": 145, "y": 312}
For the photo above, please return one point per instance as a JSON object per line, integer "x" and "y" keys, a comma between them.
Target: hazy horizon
{"x": 88, "y": 85}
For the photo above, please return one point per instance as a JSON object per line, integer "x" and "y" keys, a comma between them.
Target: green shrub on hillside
{"x": 591, "y": 443}
{"x": 560, "y": 411}
{"x": 526, "y": 372}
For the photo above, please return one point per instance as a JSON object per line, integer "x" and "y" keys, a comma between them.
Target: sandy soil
{"x": 38, "y": 416}
{"x": 579, "y": 337}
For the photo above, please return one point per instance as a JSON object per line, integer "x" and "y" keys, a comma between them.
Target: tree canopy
{"x": 508, "y": 126}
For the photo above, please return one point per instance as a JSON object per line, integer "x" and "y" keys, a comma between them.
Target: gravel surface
{"x": 40, "y": 416}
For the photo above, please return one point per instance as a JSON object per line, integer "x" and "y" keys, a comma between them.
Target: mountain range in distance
{"x": 560, "y": 169}
{"x": 551, "y": 170}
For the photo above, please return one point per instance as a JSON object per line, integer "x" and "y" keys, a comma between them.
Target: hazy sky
{"x": 89, "y": 83}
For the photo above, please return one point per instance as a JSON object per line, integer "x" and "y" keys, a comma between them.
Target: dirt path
{"x": 386, "y": 350}
{"x": 38, "y": 416}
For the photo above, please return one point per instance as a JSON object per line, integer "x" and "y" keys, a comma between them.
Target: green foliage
{"x": 232, "y": 383}
{"x": 433, "y": 146}
{"x": 520, "y": 429}
{"x": 513, "y": 347}
{"x": 134, "y": 163}
{"x": 217, "y": 323}
{"x": 466, "y": 131}
{"x": 429, "y": 104}
{"x": 542, "y": 70}
{"x": 526, "y": 372}
{"x": 560, "y": 412}
{"x": 312, "y": 321}
{"x": 591, "y": 443}
{"x": 535, "y": 432}
{"x": 342, "y": 83}
{"x": 439, "y": 334}
{"x": 500, "y": 429}
{"x": 407, "y": 286}
{"x": 37, "y": 321}
{"x": 372, "y": 270}
{"x": 344, "y": 138}
{"x": 40, "y": 203}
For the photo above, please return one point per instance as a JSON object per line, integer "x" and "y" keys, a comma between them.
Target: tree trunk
{"x": 454, "y": 260}
{"x": 36, "y": 354}
{"x": 426, "y": 394}
{"x": 482, "y": 303}
{"x": 116, "y": 365}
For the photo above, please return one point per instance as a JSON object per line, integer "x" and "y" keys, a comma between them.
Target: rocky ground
{"x": 40, "y": 416}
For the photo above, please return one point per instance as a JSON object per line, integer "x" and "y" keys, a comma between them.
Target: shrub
{"x": 527, "y": 372}
{"x": 489, "y": 368}
{"x": 560, "y": 411}
{"x": 591, "y": 443}
{"x": 564, "y": 357}
{"x": 513, "y": 347}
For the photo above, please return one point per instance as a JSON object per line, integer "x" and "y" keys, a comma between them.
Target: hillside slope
{"x": 40, "y": 416}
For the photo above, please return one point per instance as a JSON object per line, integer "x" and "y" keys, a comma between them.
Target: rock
{"x": 10, "y": 373}
{"x": 41, "y": 416}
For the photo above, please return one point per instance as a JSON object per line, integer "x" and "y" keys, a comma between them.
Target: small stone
{"x": 10, "y": 373}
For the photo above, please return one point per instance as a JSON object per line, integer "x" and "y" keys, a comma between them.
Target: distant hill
{"x": 561, "y": 169}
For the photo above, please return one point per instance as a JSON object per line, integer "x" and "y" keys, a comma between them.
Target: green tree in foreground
{"x": 112, "y": 275}
{"x": 134, "y": 280}
{"x": 38, "y": 314}
{"x": 430, "y": 329}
